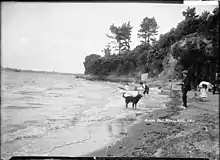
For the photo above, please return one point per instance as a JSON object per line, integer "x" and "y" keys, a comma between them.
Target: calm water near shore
{"x": 51, "y": 114}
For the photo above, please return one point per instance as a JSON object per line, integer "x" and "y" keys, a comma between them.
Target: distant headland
{"x": 34, "y": 71}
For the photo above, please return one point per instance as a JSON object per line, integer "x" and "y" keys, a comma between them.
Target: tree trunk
{"x": 145, "y": 38}
{"x": 128, "y": 45}
{"x": 148, "y": 39}
{"x": 119, "y": 48}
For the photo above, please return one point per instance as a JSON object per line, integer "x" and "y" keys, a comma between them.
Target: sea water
{"x": 58, "y": 115}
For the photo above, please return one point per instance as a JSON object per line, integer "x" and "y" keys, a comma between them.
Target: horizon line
{"x": 32, "y": 70}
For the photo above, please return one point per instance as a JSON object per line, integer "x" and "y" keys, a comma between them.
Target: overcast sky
{"x": 58, "y": 36}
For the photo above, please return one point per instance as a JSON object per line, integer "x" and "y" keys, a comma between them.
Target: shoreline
{"x": 110, "y": 78}
{"x": 196, "y": 135}
{"x": 130, "y": 133}
{"x": 125, "y": 79}
{"x": 124, "y": 131}
{"x": 119, "y": 126}
{"x": 106, "y": 78}
{"x": 151, "y": 82}
{"x": 62, "y": 149}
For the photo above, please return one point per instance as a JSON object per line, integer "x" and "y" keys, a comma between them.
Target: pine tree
{"x": 148, "y": 29}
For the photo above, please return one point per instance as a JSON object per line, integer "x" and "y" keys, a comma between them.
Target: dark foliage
{"x": 199, "y": 54}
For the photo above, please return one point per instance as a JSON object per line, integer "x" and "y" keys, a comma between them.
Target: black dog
{"x": 134, "y": 100}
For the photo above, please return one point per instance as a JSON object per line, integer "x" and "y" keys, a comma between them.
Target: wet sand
{"x": 172, "y": 132}
{"x": 117, "y": 130}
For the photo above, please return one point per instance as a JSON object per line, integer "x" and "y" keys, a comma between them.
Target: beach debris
{"x": 124, "y": 133}
{"x": 137, "y": 148}
{"x": 133, "y": 153}
{"x": 129, "y": 118}
{"x": 138, "y": 114}
{"x": 158, "y": 153}
{"x": 205, "y": 128}
{"x": 121, "y": 147}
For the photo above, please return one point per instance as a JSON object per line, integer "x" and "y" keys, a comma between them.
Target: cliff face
{"x": 169, "y": 65}
{"x": 198, "y": 40}
{"x": 181, "y": 48}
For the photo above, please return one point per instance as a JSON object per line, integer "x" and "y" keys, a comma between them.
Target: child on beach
{"x": 203, "y": 92}
{"x": 145, "y": 87}
{"x": 127, "y": 87}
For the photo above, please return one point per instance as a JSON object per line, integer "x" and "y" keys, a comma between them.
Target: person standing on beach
{"x": 146, "y": 88}
{"x": 216, "y": 84}
{"x": 127, "y": 87}
{"x": 170, "y": 87}
{"x": 185, "y": 86}
{"x": 203, "y": 91}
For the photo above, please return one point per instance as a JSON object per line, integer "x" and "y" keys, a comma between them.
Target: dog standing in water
{"x": 132, "y": 99}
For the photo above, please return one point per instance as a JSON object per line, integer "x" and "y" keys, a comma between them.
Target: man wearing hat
{"x": 185, "y": 86}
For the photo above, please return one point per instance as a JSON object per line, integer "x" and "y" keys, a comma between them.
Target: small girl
{"x": 127, "y": 87}
{"x": 203, "y": 91}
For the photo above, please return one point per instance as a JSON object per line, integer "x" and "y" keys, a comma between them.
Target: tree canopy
{"x": 122, "y": 35}
{"x": 193, "y": 43}
{"x": 148, "y": 30}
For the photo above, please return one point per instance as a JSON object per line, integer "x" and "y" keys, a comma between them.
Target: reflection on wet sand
{"x": 110, "y": 131}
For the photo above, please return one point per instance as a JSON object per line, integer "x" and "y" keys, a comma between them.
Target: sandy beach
{"x": 54, "y": 116}
{"x": 173, "y": 132}
{"x": 104, "y": 127}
